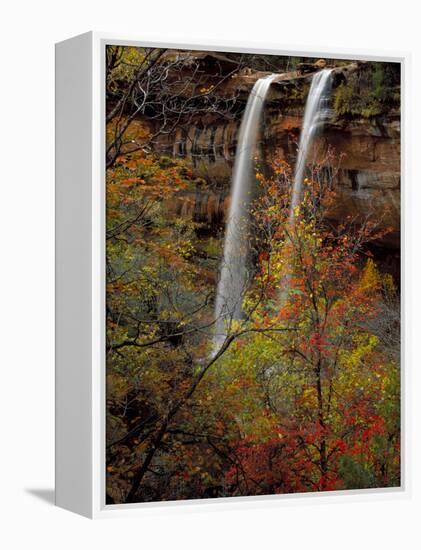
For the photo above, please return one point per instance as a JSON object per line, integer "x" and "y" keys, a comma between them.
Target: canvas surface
{"x": 253, "y": 274}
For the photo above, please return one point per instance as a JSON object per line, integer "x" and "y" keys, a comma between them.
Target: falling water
{"x": 233, "y": 274}
{"x": 315, "y": 114}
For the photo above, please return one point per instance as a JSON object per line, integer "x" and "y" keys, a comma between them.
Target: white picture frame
{"x": 80, "y": 279}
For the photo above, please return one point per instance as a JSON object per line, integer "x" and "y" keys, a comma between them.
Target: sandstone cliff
{"x": 363, "y": 132}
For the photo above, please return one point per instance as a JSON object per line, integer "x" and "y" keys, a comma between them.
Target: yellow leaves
{"x": 309, "y": 397}
{"x": 388, "y": 283}
{"x": 116, "y": 385}
{"x": 363, "y": 346}
{"x": 370, "y": 277}
{"x": 206, "y": 90}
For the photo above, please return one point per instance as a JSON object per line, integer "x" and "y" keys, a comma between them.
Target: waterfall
{"x": 233, "y": 271}
{"x": 315, "y": 113}
{"x": 233, "y": 277}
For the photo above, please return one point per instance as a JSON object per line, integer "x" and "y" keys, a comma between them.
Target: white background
{"x": 28, "y": 32}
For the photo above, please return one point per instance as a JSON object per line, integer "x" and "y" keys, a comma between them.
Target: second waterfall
{"x": 315, "y": 114}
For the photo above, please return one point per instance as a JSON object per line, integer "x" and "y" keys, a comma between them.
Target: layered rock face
{"x": 365, "y": 147}
{"x": 365, "y": 166}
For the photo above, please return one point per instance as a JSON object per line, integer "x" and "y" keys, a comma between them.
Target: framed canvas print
{"x": 228, "y": 274}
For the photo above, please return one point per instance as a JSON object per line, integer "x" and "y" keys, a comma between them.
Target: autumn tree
{"x": 329, "y": 381}
{"x": 167, "y": 89}
{"x": 160, "y": 326}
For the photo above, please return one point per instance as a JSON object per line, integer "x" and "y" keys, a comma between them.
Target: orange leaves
{"x": 294, "y": 396}
{"x": 131, "y": 181}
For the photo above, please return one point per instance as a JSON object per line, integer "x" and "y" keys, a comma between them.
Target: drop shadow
{"x": 47, "y": 495}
